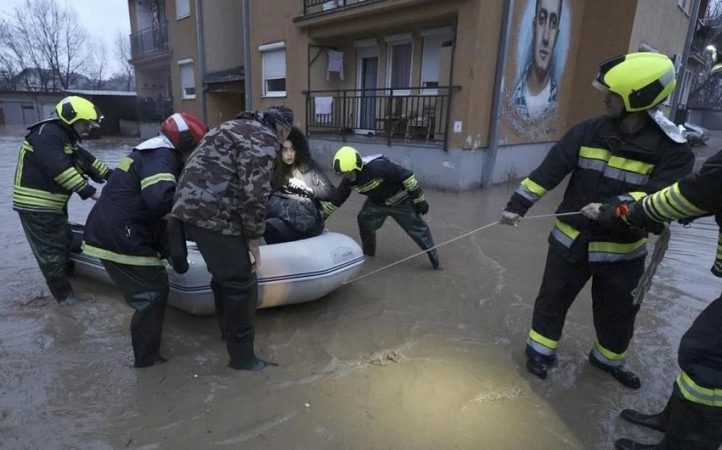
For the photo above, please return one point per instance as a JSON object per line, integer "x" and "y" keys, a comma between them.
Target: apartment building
{"x": 413, "y": 79}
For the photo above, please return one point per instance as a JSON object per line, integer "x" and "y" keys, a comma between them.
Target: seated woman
{"x": 299, "y": 187}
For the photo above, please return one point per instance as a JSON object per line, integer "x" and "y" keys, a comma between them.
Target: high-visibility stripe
{"x": 69, "y": 149}
{"x": 592, "y": 164}
{"x": 125, "y": 164}
{"x": 698, "y": 394}
{"x": 630, "y": 165}
{"x": 632, "y": 196}
{"x": 542, "y": 344}
{"x": 373, "y": 184}
{"x": 626, "y": 177}
{"x": 420, "y": 199}
{"x": 396, "y": 198}
{"x": 410, "y": 183}
{"x": 101, "y": 167}
{"x": 58, "y": 198}
{"x": 601, "y": 154}
{"x": 70, "y": 179}
{"x": 607, "y": 356}
{"x": 616, "y": 251}
{"x": 669, "y": 204}
{"x": 21, "y": 200}
{"x": 534, "y": 187}
{"x": 157, "y": 178}
{"x": 328, "y": 208}
{"x": 676, "y": 194}
{"x": 131, "y": 260}
{"x": 564, "y": 233}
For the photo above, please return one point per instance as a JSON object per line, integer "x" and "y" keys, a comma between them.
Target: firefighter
{"x": 221, "y": 200}
{"x": 126, "y": 228}
{"x": 51, "y": 166}
{"x": 630, "y": 151}
{"x": 392, "y": 190}
{"x": 692, "y": 418}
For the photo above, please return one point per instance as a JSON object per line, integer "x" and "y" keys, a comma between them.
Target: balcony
{"x": 148, "y": 42}
{"x": 311, "y": 7}
{"x": 154, "y": 109}
{"x": 399, "y": 115}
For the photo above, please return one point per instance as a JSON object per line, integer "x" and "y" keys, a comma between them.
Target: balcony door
{"x": 367, "y": 82}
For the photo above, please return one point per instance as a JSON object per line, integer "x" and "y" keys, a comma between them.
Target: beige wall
{"x": 183, "y": 45}
{"x": 223, "y": 33}
{"x": 660, "y": 24}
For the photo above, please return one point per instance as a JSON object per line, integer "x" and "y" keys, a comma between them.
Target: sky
{"x": 102, "y": 20}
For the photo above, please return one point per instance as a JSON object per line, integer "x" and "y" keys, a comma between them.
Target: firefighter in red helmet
{"x": 126, "y": 228}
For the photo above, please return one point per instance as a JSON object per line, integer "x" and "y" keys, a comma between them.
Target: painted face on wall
{"x": 546, "y": 32}
{"x": 288, "y": 153}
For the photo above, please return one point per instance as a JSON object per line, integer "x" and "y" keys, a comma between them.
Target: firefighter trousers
{"x": 612, "y": 304}
{"x": 145, "y": 288}
{"x": 49, "y": 236}
{"x": 372, "y": 217}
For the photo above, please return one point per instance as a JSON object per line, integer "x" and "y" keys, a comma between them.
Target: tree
{"x": 122, "y": 53}
{"x": 97, "y": 66}
{"x": 9, "y": 65}
{"x": 48, "y": 39}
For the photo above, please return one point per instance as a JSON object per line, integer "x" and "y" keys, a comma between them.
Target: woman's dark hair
{"x": 282, "y": 171}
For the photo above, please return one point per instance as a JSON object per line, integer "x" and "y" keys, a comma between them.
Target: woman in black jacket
{"x": 296, "y": 207}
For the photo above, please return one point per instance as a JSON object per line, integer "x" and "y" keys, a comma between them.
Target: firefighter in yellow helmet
{"x": 630, "y": 151}
{"x": 51, "y": 166}
{"x": 392, "y": 190}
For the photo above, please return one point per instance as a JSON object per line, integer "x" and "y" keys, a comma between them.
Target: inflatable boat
{"x": 291, "y": 272}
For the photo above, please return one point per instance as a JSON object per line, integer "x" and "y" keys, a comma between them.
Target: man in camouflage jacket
{"x": 221, "y": 200}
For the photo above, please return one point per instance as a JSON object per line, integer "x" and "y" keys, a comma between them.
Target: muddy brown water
{"x": 405, "y": 359}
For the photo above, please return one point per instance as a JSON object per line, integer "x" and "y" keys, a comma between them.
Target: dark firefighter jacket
{"x": 127, "y": 223}
{"x": 606, "y": 166}
{"x": 700, "y": 351}
{"x": 51, "y": 166}
{"x": 382, "y": 181}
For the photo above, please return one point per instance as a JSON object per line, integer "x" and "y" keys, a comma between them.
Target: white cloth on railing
{"x": 323, "y": 109}
{"x": 335, "y": 63}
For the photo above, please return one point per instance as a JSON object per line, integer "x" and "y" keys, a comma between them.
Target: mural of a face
{"x": 546, "y": 32}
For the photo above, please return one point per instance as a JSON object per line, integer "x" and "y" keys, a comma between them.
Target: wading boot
{"x": 622, "y": 373}
{"x": 244, "y": 358}
{"x": 155, "y": 362}
{"x": 368, "y": 243}
{"x": 434, "y": 258}
{"x": 654, "y": 421}
{"x": 538, "y": 364}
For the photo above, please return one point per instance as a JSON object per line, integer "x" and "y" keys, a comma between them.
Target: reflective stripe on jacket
{"x": 606, "y": 166}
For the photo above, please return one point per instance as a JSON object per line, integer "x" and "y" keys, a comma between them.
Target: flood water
{"x": 407, "y": 358}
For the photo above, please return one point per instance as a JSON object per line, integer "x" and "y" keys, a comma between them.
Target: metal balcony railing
{"x": 410, "y": 114}
{"x": 319, "y": 6}
{"x": 149, "y": 41}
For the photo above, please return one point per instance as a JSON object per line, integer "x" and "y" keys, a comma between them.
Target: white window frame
{"x": 443, "y": 34}
{"x": 266, "y": 50}
{"x": 185, "y": 11}
{"x": 391, "y": 42}
{"x": 188, "y": 62}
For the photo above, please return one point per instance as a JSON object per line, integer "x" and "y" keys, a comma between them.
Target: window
{"x": 273, "y": 64}
{"x": 182, "y": 8}
{"x": 399, "y": 58}
{"x": 187, "y": 79}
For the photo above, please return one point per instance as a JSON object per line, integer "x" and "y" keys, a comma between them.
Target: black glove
{"x": 612, "y": 215}
{"x": 422, "y": 207}
{"x": 179, "y": 264}
{"x": 177, "y": 246}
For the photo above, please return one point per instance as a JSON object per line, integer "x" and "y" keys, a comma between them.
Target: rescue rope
{"x": 645, "y": 281}
{"x": 468, "y": 233}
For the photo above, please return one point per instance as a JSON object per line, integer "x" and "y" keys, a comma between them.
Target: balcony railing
{"x": 154, "y": 110}
{"x": 319, "y": 6}
{"x": 149, "y": 41}
{"x": 413, "y": 114}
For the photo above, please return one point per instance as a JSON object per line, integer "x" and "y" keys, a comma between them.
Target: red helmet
{"x": 184, "y": 130}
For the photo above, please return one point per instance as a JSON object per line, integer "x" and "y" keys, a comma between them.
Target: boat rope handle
{"x": 468, "y": 233}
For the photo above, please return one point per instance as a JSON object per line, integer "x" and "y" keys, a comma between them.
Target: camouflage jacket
{"x": 226, "y": 181}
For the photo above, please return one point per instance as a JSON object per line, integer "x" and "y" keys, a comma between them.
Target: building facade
{"x": 413, "y": 79}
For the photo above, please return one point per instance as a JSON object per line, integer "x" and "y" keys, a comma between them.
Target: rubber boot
{"x": 146, "y": 329}
{"x": 434, "y": 258}
{"x": 218, "y": 302}
{"x": 538, "y": 364}
{"x": 621, "y": 373}
{"x": 692, "y": 425}
{"x": 368, "y": 243}
{"x": 654, "y": 421}
{"x": 244, "y": 358}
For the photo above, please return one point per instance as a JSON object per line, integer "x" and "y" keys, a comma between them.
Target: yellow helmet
{"x": 347, "y": 159}
{"x": 643, "y": 80}
{"x": 73, "y": 108}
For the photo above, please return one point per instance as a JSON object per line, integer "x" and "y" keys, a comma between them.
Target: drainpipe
{"x": 494, "y": 122}
{"x": 247, "y": 97}
{"x": 201, "y": 58}
{"x": 683, "y": 64}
